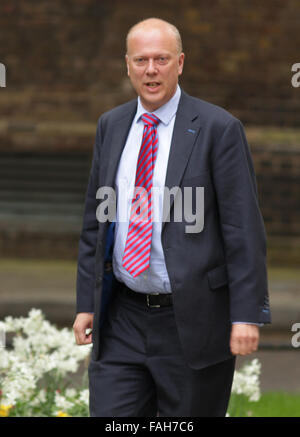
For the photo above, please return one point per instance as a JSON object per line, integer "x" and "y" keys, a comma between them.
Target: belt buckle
{"x": 148, "y": 303}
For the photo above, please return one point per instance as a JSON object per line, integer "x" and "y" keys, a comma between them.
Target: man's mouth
{"x": 152, "y": 85}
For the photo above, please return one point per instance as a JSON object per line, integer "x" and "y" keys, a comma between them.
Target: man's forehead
{"x": 148, "y": 38}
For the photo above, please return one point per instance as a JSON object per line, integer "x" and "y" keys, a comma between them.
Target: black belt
{"x": 153, "y": 300}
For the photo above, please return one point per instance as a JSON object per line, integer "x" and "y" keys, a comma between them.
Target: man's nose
{"x": 151, "y": 67}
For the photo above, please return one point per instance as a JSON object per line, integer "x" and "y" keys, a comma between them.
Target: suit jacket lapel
{"x": 119, "y": 136}
{"x": 186, "y": 129}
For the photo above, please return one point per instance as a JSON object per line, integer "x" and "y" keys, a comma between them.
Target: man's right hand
{"x": 83, "y": 322}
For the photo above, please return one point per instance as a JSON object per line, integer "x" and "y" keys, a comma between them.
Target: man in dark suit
{"x": 170, "y": 302}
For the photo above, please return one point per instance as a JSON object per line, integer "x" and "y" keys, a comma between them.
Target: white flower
{"x": 246, "y": 381}
{"x": 40, "y": 398}
{"x": 38, "y": 348}
{"x": 4, "y": 359}
{"x": 71, "y": 393}
{"x": 84, "y": 397}
{"x": 62, "y": 403}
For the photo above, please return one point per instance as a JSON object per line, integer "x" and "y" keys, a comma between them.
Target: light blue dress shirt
{"x": 155, "y": 279}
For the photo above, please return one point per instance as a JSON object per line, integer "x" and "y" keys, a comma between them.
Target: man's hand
{"x": 83, "y": 322}
{"x": 244, "y": 339}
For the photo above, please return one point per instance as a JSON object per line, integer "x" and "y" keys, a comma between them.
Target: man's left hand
{"x": 244, "y": 339}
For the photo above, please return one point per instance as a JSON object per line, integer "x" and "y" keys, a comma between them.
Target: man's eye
{"x": 139, "y": 60}
{"x": 162, "y": 60}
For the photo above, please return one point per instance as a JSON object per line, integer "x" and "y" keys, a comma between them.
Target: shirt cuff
{"x": 248, "y": 323}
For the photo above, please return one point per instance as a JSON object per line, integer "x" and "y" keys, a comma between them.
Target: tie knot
{"x": 150, "y": 119}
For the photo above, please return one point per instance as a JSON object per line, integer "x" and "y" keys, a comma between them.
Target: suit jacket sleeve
{"x": 241, "y": 225}
{"x": 88, "y": 239}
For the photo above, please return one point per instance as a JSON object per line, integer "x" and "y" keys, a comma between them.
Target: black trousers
{"x": 143, "y": 373}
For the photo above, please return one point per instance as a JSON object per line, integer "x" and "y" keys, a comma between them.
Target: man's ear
{"x": 180, "y": 63}
{"x": 127, "y": 64}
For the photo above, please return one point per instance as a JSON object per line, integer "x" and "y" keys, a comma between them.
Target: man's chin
{"x": 152, "y": 102}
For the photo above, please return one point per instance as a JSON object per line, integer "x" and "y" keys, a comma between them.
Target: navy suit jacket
{"x": 218, "y": 275}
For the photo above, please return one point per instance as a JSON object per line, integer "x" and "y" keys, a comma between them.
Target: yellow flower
{"x": 4, "y": 410}
{"x": 61, "y": 414}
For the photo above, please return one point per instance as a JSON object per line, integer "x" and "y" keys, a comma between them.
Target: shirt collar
{"x": 166, "y": 112}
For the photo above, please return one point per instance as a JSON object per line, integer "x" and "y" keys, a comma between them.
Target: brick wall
{"x": 65, "y": 66}
{"x": 65, "y": 58}
{"x": 278, "y": 175}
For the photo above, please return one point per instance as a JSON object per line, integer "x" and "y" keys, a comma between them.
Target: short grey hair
{"x": 156, "y": 21}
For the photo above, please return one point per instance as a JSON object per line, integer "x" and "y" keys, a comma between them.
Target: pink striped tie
{"x": 136, "y": 256}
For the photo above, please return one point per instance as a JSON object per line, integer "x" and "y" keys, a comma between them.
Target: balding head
{"x": 152, "y": 24}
